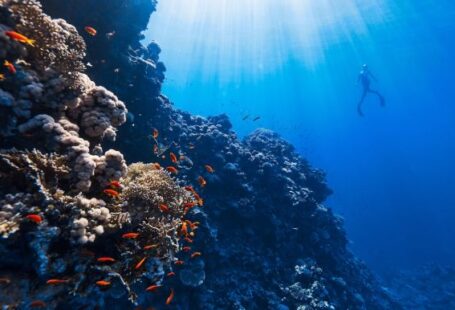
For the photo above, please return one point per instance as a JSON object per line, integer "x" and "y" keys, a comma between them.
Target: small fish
{"x": 2, "y": 77}
{"x": 156, "y": 133}
{"x": 189, "y": 188}
{"x": 188, "y": 240}
{"x": 179, "y": 262}
{"x": 186, "y": 249}
{"x": 189, "y": 205}
{"x": 10, "y": 67}
{"x": 152, "y": 288}
{"x": 209, "y": 169}
{"x": 202, "y": 181}
{"x": 35, "y": 218}
{"x": 105, "y": 259}
{"x": 5, "y": 281}
{"x": 184, "y": 229}
{"x": 157, "y": 166}
{"x": 164, "y": 208}
{"x": 37, "y": 304}
{"x": 141, "y": 262}
{"x": 156, "y": 149}
{"x": 111, "y": 193}
{"x": 103, "y": 283}
{"x": 116, "y": 70}
{"x": 131, "y": 235}
{"x": 90, "y": 30}
{"x": 173, "y": 157}
{"x": 191, "y": 146}
{"x": 182, "y": 157}
{"x": 151, "y": 246}
{"x": 109, "y": 35}
{"x": 88, "y": 64}
{"x": 170, "y": 274}
{"x": 245, "y": 117}
{"x": 170, "y": 297}
{"x": 115, "y": 184}
{"x": 256, "y": 118}
{"x": 196, "y": 254}
{"x": 172, "y": 170}
{"x": 56, "y": 281}
{"x": 13, "y": 35}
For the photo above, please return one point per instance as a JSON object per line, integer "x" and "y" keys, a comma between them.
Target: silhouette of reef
{"x": 266, "y": 239}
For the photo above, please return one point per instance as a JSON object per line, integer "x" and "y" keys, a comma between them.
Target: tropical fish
{"x": 188, "y": 240}
{"x": 152, "y": 288}
{"x": 5, "y": 280}
{"x": 105, "y": 259}
{"x": 156, "y": 133}
{"x": 156, "y": 149}
{"x": 256, "y": 118}
{"x": 131, "y": 235}
{"x": 115, "y": 184}
{"x": 141, "y": 262}
{"x": 111, "y": 193}
{"x": 170, "y": 297}
{"x": 10, "y": 67}
{"x": 186, "y": 249}
{"x": 103, "y": 283}
{"x": 13, "y": 35}
{"x": 209, "y": 169}
{"x": 164, "y": 208}
{"x": 191, "y": 146}
{"x": 179, "y": 262}
{"x": 172, "y": 170}
{"x": 2, "y": 77}
{"x": 151, "y": 246}
{"x": 202, "y": 181}
{"x": 37, "y": 304}
{"x": 196, "y": 254}
{"x": 184, "y": 229}
{"x": 173, "y": 157}
{"x": 34, "y": 218}
{"x": 171, "y": 274}
{"x": 245, "y": 117}
{"x": 157, "y": 166}
{"x": 90, "y": 30}
{"x": 189, "y": 188}
{"x": 56, "y": 281}
{"x": 109, "y": 35}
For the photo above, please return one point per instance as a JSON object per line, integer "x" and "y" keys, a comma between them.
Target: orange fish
{"x": 202, "y": 181}
{"x": 157, "y": 166}
{"x": 10, "y": 67}
{"x": 171, "y": 274}
{"x": 103, "y": 283}
{"x": 111, "y": 193}
{"x": 2, "y": 77}
{"x": 170, "y": 297}
{"x": 37, "y": 304}
{"x": 164, "y": 208}
{"x": 196, "y": 254}
{"x": 13, "y": 35}
{"x": 90, "y": 30}
{"x": 184, "y": 229}
{"x": 156, "y": 133}
{"x": 189, "y": 188}
{"x": 5, "y": 280}
{"x": 131, "y": 235}
{"x": 151, "y": 246}
{"x": 105, "y": 260}
{"x": 35, "y": 218}
{"x": 179, "y": 262}
{"x": 172, "y": 170}
{"x": 186, "y": 248}
{"x": 56, "y": 281}
{"x": 115, "y": 184}
{"x": 209, "y": 169}
{"x": 188, "y": 240}
{"x": 141, "y": 262}
{"x": 152, "y": 288}
{"x": 173, "y": 157}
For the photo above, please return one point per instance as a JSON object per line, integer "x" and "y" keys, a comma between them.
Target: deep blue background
{"x": 295, "y": 65}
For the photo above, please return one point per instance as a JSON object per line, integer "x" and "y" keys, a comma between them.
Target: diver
{"x": 365, "y": 77}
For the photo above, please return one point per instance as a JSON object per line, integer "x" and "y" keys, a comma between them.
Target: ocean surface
{"x": 294, "y": 64}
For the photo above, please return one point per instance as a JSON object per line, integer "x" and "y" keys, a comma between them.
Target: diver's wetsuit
{"x": 364, "y": 77}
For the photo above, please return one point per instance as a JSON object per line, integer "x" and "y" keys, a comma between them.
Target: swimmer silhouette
{"x": 365, "y": 77}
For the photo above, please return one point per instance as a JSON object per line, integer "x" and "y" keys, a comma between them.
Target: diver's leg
{"x": 359, "y": 106}
{"x": 381, "y": 98}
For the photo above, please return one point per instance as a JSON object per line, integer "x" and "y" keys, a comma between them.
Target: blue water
{"x": 295, "y": 64}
